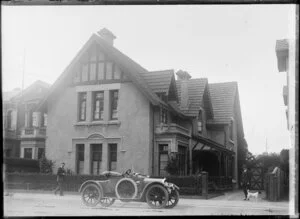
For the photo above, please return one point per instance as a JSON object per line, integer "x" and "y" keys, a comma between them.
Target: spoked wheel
{"x": 157, "y": 196}
{"x": 106, "y": 201}
{"x": 173, "y": 199}
{"x": 91, "y": 195}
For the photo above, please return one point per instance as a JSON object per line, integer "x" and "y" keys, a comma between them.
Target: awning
{"x": 212, "y": 144}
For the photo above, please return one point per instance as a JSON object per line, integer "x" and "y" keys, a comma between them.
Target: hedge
{"x": 21, "y": 165}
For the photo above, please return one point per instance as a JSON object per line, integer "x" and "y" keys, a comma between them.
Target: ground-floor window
{"x": 96, "y": 155}
{"x": 163, "y": 159}
{"x": 80, "y": 158}
{"x": 112, "y": 157}
{"x": 28, "y": 153}
{"x": 181, "y": 160}
{"x": 41, "y": 152}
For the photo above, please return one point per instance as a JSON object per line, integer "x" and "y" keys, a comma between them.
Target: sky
{"x": 219, "y": 42}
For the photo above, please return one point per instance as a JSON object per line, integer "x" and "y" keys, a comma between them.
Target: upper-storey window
{"x": 114, "y": 96}
{"x": 163, "y": 116}
{"x": 82, "y": 106}
{"x": 96, "y": 66}
{"x": 231, "y": 129}
{"x": 200, "y": 121}
{"x": 98, "y": 104}
{"x": 9, "y": 119}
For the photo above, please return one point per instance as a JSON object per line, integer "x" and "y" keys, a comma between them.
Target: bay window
{"x": 114, "y": 104}
{"x": 98, "y": 104}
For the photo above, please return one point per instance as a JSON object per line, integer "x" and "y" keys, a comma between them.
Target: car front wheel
{"x": 91, "y": 195}
{"x": 157, "y": 196}
{"x": 173, "y": 199}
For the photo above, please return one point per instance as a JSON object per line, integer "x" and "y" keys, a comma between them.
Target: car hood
{"x": 155, "y": 180}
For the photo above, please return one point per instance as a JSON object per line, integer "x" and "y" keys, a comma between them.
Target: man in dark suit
{"x": 60, "y": 179}
{"x": 245, "y": 181}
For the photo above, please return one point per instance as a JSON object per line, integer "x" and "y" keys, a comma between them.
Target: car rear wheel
{"x": 106, "y": 201}
{"x": 157, "y": 196}
{"x": 91, "y": 195}
{"x": 173, "y": 199}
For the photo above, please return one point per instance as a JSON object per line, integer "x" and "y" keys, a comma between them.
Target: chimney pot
{"x": 107, "y": 35}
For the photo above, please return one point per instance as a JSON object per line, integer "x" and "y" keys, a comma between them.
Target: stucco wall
{"x": 131, "y": 134}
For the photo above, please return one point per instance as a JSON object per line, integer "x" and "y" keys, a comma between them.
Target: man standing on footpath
{"x": 245, "y": 181}
{"x": 60, "y": 179}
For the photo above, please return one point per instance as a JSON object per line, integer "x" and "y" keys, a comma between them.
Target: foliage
{"x": 46, "y": 166}
{"x": 284, "y": 160}
{"x": 13, "y": 164}
{"x": 172, "y": 165}
{"x": 269, "y": 161}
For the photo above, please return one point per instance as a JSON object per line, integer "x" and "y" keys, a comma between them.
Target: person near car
{"x": 60, "y": 179}
{"x": 245, "y": 180}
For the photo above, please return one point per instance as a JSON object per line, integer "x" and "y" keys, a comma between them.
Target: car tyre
{"x": 157, "y": 196}
{"x": 173, "y": 199}
{"x": 106, "y": 201}
{"x": 91, "y": 195}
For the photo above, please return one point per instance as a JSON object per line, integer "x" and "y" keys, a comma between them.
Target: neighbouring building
{"x": 106, "y": 112}
{"x": 24, "y": 128}
{"x": 287, "y": 52}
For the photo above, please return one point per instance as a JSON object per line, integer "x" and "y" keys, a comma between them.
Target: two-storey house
{"x": 106, "y": 112}
{"x": 25, "y": 127}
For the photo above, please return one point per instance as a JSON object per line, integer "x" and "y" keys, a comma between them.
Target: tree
{"x": 269, "y": 161}
{"x": 46, "y": 166}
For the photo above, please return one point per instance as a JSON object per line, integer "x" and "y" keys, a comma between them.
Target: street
{"x": 39, "y": 204}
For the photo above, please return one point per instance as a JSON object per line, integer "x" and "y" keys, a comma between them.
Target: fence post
{"x": 204, "y": 178}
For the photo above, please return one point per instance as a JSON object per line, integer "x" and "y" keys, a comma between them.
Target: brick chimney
{"x": 107, "y": 35}
{"x": 183, "y": 77}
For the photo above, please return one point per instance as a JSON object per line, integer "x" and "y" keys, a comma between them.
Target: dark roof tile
{"x": 222, "y": 97}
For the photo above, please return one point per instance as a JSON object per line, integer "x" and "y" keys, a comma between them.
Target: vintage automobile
{"x": 129, "y": 186}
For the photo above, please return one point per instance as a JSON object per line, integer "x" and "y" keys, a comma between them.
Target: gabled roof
{"x": 222, "y": 97}
{"x": 159, "y": 81}
{"x": 226, "y": 105}
{"x": 32, "y": 92}
{"x": 132, "y": 70}
{"x": 196, "y": 89}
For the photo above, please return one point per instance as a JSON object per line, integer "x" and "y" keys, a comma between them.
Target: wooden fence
{"x": 274, "y": 185}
